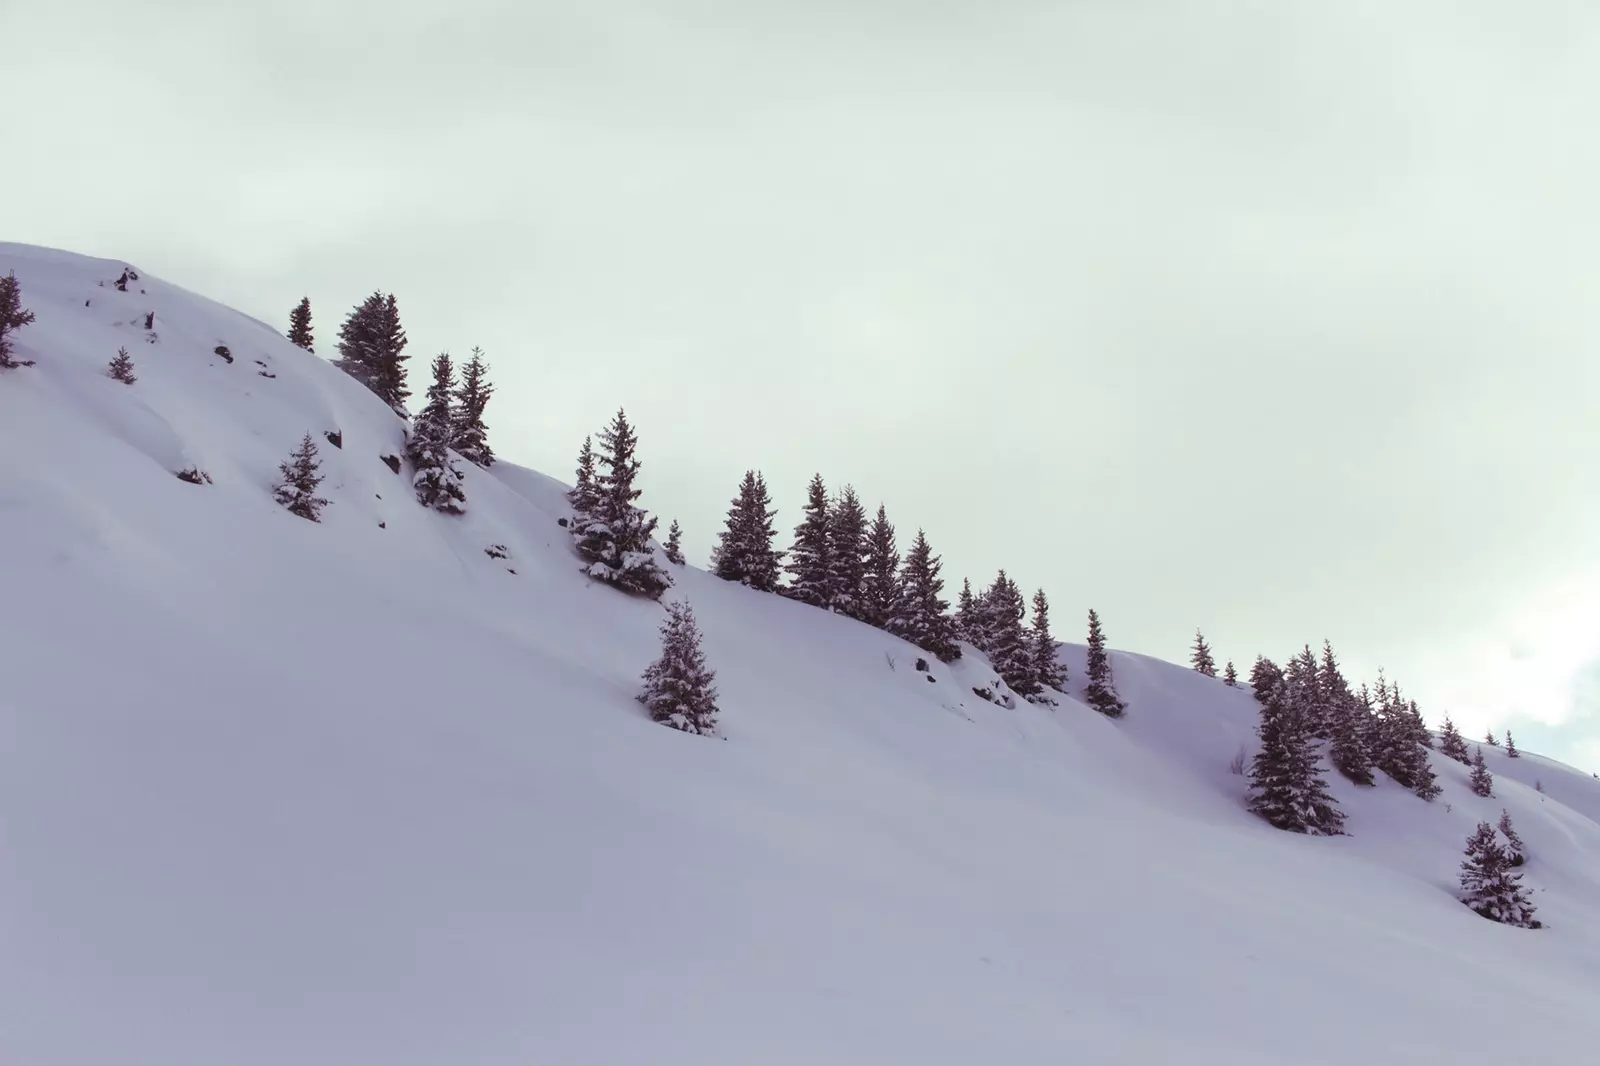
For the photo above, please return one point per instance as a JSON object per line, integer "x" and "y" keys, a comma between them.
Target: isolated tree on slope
{"x": 847, "y": 533}
{"x": 678, "y": 687}
{"x": 372, "y": 349}
{"x": 437, "y": 481}
{"x": 1482, "y": 781}
{"x": 880, "y": 582}
{"x": 297, "y": 489}
{"x": 673, "y": 548}
{"x": 1286, "y": 785}
{"x": 920, "y": 614}
{"x": 300, "y": 325}
{"x": 1009, "y": 651}
{"x": 1230, "y": 676}
{"x": 469, "y": 435}
{"x": 809, "y": 564}
{"x": 1101, "y": 691}
{"x": 1489, "y": 885}
{"x": 1511, "y": 747}
{"x": 1047, "y": 669}
{"x": 614, "y": 540}
{"x": 13, "y": 316}
{"x": 1452, "y": 745}
{"x": 121, "y": 367}
{"x": 744, "y": 550}
{"x": 1488, "y": 738}
{"x": 583, "y": 496}
{"x": 1201, "y": 658}
{"x": 1514, "y": 853}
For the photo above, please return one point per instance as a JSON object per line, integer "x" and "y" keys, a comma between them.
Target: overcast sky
{"x": 1277, "y": 319}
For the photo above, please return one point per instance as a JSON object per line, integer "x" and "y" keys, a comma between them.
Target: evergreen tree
{"x": 1488, "y": 884}
{"x": 744, "y": 550}
{"x": 1305, "y": 691}
{"x": 880, "y": 584}
{"x": 1265, "y": 676}
{"x": 470, "y": 437}
{"x": 1230, "y": 676}
{"x": 583, "y": 496}
{"x": 1427, "y": 784}
{"x": 437, "y": 480}
{"x": 1482, "y": 781}
{"x": 1514, "y": 854}
{"x": 1048, "y": 672}
{"x": 1511, "y": 747}
{"x": 1286, "y": 785}
{"x": 13, "y": 316}
{"x": 1201, "y": 658}
{"x": 673, "y": 549}
{"x": 847, "y": 546}
{"x": 810, "y": 564}
{"x": 919, "y": 616}
{"x": 1347, "y": 716}
{"x": 300, "y": 325}
{"x": 121, "y": 367}
{"x": 1009, "y": 651}
{"x": 297, "y": 489}
{"x": 1101, "y": 691}
{"x": 1489, "y": 739}
{"x": 678, "y": 687}
{"x": 966, "y": 612}
{"x": 614, "y": 539}
{"x": 1400, "y": 752}
{"x": 1419, "y": 727}
{"x": 1452, "y": 744}
{"x": 372, "y": 349}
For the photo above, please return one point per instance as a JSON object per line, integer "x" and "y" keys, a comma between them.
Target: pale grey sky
{"x": 1269, "y": 317}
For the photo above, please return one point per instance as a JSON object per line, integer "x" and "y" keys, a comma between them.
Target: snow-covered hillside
{"x": 358, "y": 794}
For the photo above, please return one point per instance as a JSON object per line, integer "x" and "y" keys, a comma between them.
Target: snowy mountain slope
{"x": 273, "y": 791}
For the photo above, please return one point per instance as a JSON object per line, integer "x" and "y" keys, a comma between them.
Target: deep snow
{"x": 332, "y": 794}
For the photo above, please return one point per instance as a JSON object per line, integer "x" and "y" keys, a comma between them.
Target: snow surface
{"x": 276, "y": 792}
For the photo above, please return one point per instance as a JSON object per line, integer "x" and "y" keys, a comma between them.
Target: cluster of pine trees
{"x": 450, "y": 424}
{"x": 610, "y": 530}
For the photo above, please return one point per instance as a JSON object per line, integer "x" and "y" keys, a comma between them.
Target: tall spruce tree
{"x": 1305, "y": 691}
{"x": 1101, "y": 691}
{"x": 966, "y": 612}
{"x": 1514, "y": 852}
{"x": 1349, "y": 752}
{"x": 1047, "y": 669}
{"x": 1489, "y": 885}
{"x": 678, "y": 687}
{"x": 880, "y": 582}
{"x": 1009, "y": 651}
{"x": 1286, "y": 784}
{"x": 1265, "y": 676}
{"x": 584, "y": 494}
{"x": 1230, "y": 676}
{"x": 1481, "y": 781}
{"x": 1511, "y": 747}
{"x": 372, "y": 349}
{"x": 297, "y": 485}
{"x": 673, "y": 548}
{"x": 614, "y": 541}
{"x": 744, "y": 550}
{"x": 13, "y": 316}
{"x": 471, "y": 436}
{"x": 300, "y": 325}
{"x": 1452, "y": 745}
{"x": 1200, "y": 657}
{"x": 847, "y": 547}
{"x": 919, "y": 616}
{"x": 437, "y": 479}
{"x": 810, "y": 564}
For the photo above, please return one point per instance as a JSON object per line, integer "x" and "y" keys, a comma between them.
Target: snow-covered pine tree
{"x": 1305, "y": 691}
{"x": 297, "y": 488}
{"x": 810, "y": 566}
{"x": 583, "y": 495}
{"x": 847, "y": 543}
{"x": 1488, "y": 739}
{"x": 437, "y": 480}
{"x": 121, "y": 367}
{"x": 470, "y": 436}
{"x": 372, "y": 349}
{"x": 966, "y": 612}
{"x": 1511, "y": 747}
{"x": 1482, "y": 781}
{"x": 13, "y": 316}
{"x": 1264, "y": 677}
{"x": 1349, "y": 752}
{"x": 880, "y": 583}
{"x": 1200, "y": 656}
{"x": 744, "y": 550}
{"x": 673, "y": 548}
{"x": 919, "y": 616}
{"x": 1009, "y": 651}
{"x": 1286, "y": 785}
{"x": 1230, "y": 676}
{"x": 300, "y": 325}
{"x": 678, "y": 687}
{"x": 1047, "y": 668}
{"x": 615, "y": 539}
{"x": 1101, "y": 691}
{"x": 1419, "y": 727}
{"x": 1426, "y": 782}
{"x": 1452, "y": 745}
{"x": 1514, "y": 854}
{"x": 1488, "y": 884}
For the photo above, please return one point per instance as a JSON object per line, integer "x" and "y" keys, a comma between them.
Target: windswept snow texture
{"x": 275, "y": 792}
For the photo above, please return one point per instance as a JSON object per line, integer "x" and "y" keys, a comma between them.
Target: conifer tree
{"x": 1230, "y": 676}
{"x": 1101, "y": 691}
{"x": 372, "y": 349}
{"x": 1286, "y": 784}
{"x": 1305, "y": 692}
{"x": 678, "y": 687}
{"x": 1514, "y": 853}
{"x": 13, "y": 316}
{"x": 1489, "y": 739}
{"x": 1482, "y": 781}
{"x": 300, "y": 325}
{"x": 966, "y": 612}
{"x": 1511, "y": 747}
{"x": 470, "y": 437}
{"x": 1488, "y": 884}
{"x": 1419, "y": 727}
{"x": 1346, "y": 715}
{"x": 583, "y": 495}
{"x": 1400, "y": 752}
{"x": 919, "y": 616}
{"x": 1201, "y": 658}
{"x": 1427, "y": 784}
{"x": 810, "y": 565}
{"x": 744, "y": 550}
{"x": 437, "y": 480}
{"x": 1265, "y": 676}
{"x": 880, "y": 583}
{"x": 614, "y": 539}
{"x": 1452, "y": 744}
{"x": 1048, "y": 672}
{"x": 1009, "y": 651}
{"x": 847, "y": 545}
{"x": 297, "y": 488}
{"x": 673, "y": 548}
{"x": 121, "y": 367}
